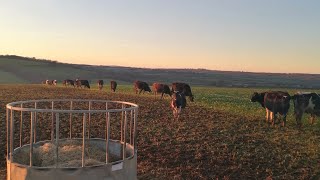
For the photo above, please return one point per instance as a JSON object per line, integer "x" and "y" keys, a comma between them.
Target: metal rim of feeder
{"x": 19, "y": 107}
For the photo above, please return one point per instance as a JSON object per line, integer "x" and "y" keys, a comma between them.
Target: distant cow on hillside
{"x": 141, "y": 86}
{"x": 306, "y": 103}
{"x": 274, "y": 102}
{"x": 113, "y": 86}
{"x": 100, "y": 84}
{"x": 51, "y": 82}
{"x": 178, "y": 102}
{"x": 68, "y": 82}
{"x": 81, "y": 83}
{"x": 183, "y": 88}
{"x": 160, "y": 88}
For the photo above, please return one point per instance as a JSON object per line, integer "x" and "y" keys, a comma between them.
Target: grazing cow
{"x": 182, "y": 87}
{"x": 48, "y": 82}
{"x": 141, "y": 86}
{"x": 68, "y": 82}
{"x": 178, "y": 101}
{"x": 81, "y": 83}
{"x": 274, "y": 102}
{"x": 51, "y": 82}
{"x": 113, "y": 86}
{"x": 306, "y": 103}
{"x": 100, "y": 84}
{"x": 161, "y": 88}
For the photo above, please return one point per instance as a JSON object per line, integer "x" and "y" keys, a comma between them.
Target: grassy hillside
{"x": 31, "y": 70}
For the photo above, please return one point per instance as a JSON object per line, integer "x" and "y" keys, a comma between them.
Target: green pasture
{"x": 237, "y": 101}
{"x": 221, "y": 135}
{"x": 228, "y": 100}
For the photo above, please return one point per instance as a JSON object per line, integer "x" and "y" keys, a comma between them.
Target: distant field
{"x": 221, "y": 135}
{"x": 7, "y": 77}
{"x": 32, "y": 70}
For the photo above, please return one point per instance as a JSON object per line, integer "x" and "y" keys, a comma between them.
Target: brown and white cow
{"x": 161, "y": 88}
{"x": 51, "y": 82}
{"x": 183, "y": 88}
{"x": 80, "y": 83}
{"x": 274, "y": 102}
{"x": 306, "y": 103}
{"x": 178, "y": 102}
{"x": 113, "y": 86}
{"x": 100, "y": 84}
{"x": 141, "y": 86}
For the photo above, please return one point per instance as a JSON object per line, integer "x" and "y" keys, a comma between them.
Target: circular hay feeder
{"x": 71, "y": 139}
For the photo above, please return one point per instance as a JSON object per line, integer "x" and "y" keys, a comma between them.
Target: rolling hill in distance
{"x": 19, "y": 70}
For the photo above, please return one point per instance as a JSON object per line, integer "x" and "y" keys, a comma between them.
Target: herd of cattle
{"x": 279, "y": 102}
{"x": 178, "y": 91}
{"x": 275, "y": 102}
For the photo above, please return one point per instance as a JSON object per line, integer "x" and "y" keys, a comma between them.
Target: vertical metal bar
{"x": 21, "y": 125}
{"x": 106, "y": 121}
{"x": 8, "y": 134}
{"x": 70, "y": 120}
{"x": 83, "y": 139}
{"x": 124, "y": 136}
{"x": 89, "y": 120}
{"x": 52, "y": 122}
{"x": 108, "y": 137}
{"x": 121, "y": 124}
{"x": 131, "y": 119}
{"x": 57, "y": 141}
{"x": 35, "y": 124}
{"x": 135, "y": 129}
{"x": 31, "y": 138}
{"x": 11, "y": 135}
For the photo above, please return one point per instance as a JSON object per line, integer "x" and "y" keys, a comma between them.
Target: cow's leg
{"x": 175, "y": 113}
{"x": 312, "y": 118}
{"x": 178, "y": 112}
{"x": 267, "y": 115}
{"x": 273, "y": 118}
{"x": 140, "y": 91}
{"x": 298, "y": 115}
{"x": 162, "y": 95}
{"x": 284, "y": 120}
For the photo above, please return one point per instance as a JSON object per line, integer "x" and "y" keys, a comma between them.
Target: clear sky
{"x": 236, "y": 35}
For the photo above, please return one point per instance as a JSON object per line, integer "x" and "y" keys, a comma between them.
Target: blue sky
{"x": 237, "y": 35}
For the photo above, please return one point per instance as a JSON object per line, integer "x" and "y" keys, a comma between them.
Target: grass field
{"x": 221, "y": 135}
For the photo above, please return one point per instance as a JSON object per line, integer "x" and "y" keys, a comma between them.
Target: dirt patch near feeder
{"x": 70, "y": 155}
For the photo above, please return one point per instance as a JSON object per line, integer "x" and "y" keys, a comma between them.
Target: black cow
{"x": 274, "y": 102}
{"x": 183, "y": 88}
{"x": 141, "y": 86}
{"x": 68, "y": 82}
{"x": 306, "y": 103}
{"x": 113, "y": 86}
{"x": 100, "y": 84}
{"x": 81, "y": 83}
{"x": 161, "y": 88}
{"x": 178, "y": 102}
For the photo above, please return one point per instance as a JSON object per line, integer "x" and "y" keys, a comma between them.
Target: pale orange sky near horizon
{"x": 242, "y": 35}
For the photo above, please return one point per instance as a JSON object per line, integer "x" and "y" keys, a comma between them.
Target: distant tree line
{"x": 27, "y": 58}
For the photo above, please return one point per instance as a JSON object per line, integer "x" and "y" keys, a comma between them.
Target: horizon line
{"x": 159, "y": 68}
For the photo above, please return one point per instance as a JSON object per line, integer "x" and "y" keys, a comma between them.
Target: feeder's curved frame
{"x": 19, "y": 107}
